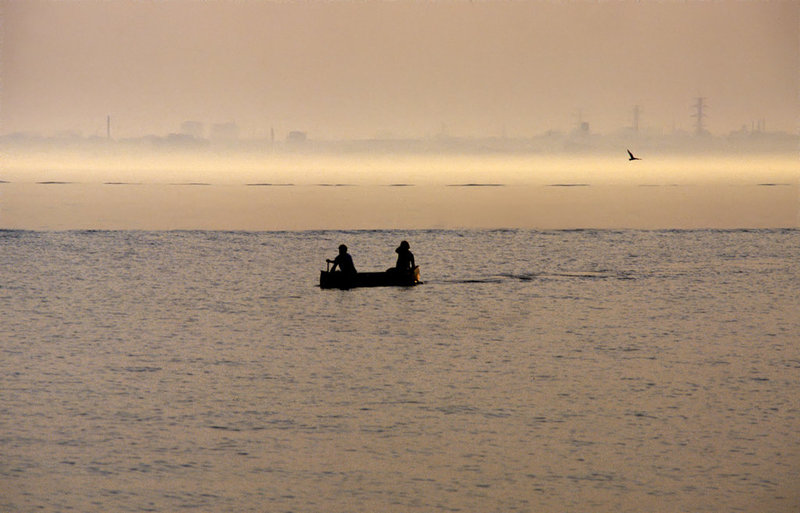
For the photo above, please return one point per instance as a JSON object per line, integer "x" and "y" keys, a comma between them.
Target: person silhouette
{"x": 405, "y": 258}
{"x": 343, "y": 261}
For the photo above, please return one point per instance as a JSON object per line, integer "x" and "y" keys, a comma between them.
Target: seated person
{"x": 405, "y": 259}
{"x": 343, "y": 261}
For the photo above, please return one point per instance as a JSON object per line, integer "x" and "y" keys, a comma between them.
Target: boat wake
{"x": 529, "y": 277}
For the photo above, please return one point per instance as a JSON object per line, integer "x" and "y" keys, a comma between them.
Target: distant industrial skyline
{"x": 203, "y": 129}
{"x": 350, "y": 70}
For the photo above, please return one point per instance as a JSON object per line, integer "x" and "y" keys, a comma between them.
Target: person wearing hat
{"x": 344, "y": 261}
{"x": 405, "y": 258}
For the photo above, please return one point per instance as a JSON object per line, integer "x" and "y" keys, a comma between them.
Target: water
{"x": 534, "y": 371}
{"x": 271, "y": 192}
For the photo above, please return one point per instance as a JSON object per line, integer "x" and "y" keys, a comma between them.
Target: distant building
{"x": 195, "y": 129}
{"x": 225, "y": 131}
{"x": 180, "y": 141}
{"x": 295, "y": 136}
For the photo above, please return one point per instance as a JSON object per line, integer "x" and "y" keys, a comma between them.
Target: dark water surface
{"x": 534, "y": 371}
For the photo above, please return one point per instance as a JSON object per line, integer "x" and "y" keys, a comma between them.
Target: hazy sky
{"x": 360, "y": 69}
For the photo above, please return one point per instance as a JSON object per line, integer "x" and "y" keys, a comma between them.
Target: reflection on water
{"x": 376, "y": 192}
{"x": 200, "y": 205}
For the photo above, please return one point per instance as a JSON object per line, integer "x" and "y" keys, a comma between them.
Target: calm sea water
{"x": 266, "y": 192}
{"x": 534, "y": 371}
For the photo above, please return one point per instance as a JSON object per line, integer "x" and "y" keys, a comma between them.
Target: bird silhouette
{"x": 631, "y": 157}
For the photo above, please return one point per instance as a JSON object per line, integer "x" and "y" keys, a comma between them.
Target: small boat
{"x": 339, "y": 280}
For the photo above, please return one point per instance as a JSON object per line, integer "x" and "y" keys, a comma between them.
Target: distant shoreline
{"x": 555, "y": 143}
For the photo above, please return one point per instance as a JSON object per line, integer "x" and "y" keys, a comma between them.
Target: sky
{"x": 362, "y": 69}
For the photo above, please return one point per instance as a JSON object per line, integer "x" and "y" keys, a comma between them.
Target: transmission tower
{"x": 699, "y": 114}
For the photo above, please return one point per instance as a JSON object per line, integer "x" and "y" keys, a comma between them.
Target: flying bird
{"x": 631, "y": 157}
